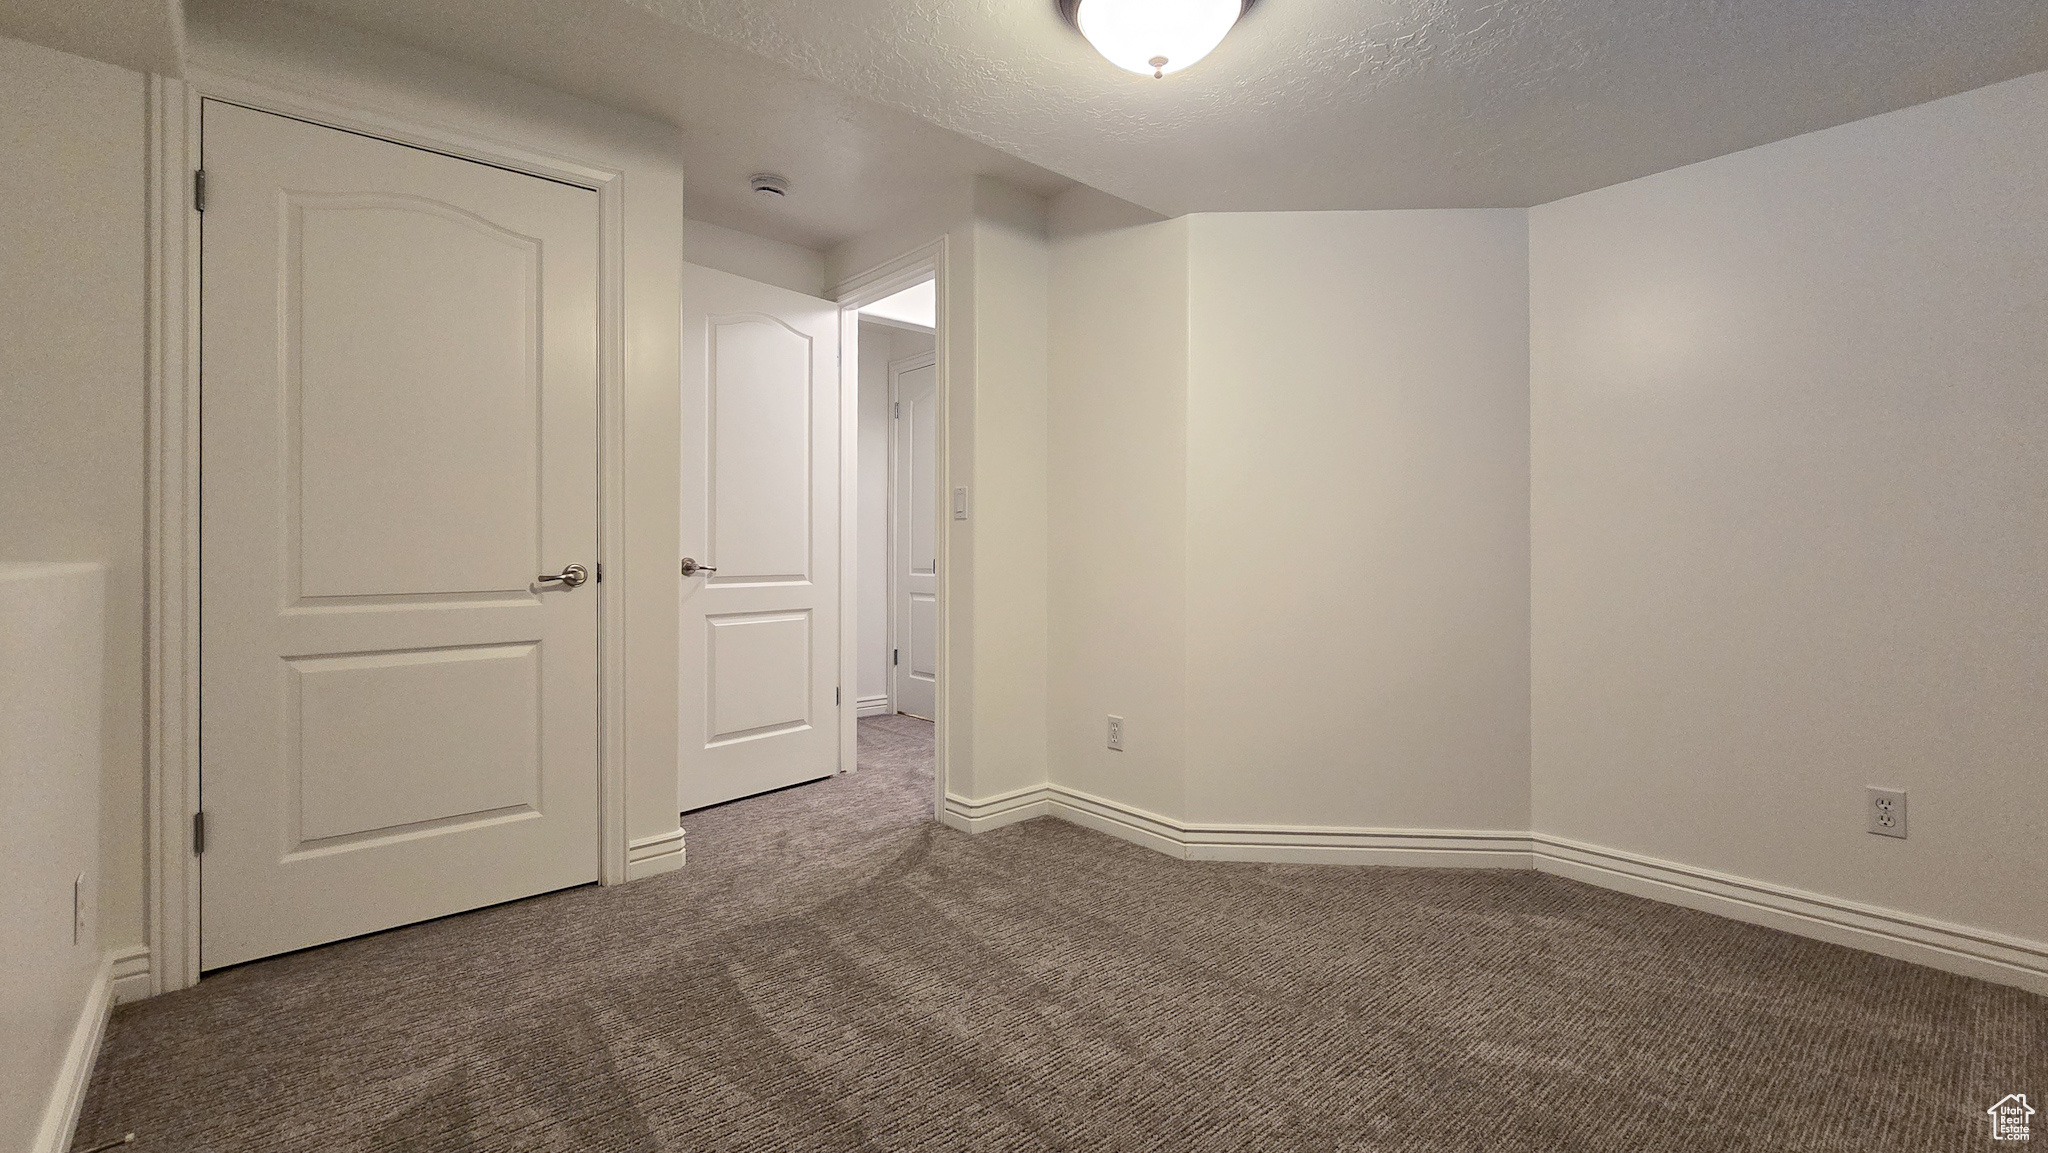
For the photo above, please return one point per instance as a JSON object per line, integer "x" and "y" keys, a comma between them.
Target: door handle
{"x": 692, "y": 568}
{"x": 571, "y": 576}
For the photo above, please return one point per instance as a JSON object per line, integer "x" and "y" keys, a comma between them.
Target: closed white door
{"x": 760, "y": 619}
{"x": 399, "y": 438}
{"x": 914, "y": 652}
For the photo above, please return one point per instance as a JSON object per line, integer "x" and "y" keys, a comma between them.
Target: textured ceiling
{"x": 853, "y": 164}
{"x": 1394, "y": 103}
{"x": 1307, "y": 104}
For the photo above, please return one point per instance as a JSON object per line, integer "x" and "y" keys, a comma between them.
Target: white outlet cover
{"x": 1116, "y": 733}
{"x": 1884, "y": 812}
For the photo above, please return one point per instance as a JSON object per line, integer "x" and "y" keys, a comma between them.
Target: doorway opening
{"x": 898, "y": 506}
{"x": 892, "y": 327}
{"x": 812, "y": 524}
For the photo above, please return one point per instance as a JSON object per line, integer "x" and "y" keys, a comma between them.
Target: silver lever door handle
{"x": 572, "y": 576}
{"x": 692, "y": 568}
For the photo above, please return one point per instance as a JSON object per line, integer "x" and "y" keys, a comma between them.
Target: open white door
{"x": 760, "y": 617}
{"x": 914, "y": 651}
{"x": 399, "y": 438}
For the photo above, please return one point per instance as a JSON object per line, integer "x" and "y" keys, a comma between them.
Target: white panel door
{"x": 914, "y": 652}
{"x": 760, "y": 621}
{"x": 398, "y": 439}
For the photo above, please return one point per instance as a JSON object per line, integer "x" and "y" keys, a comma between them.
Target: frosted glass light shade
{"x": 1155, "y": 37}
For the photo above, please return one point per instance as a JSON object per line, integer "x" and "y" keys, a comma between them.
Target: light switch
{"x": 960, "y": 503}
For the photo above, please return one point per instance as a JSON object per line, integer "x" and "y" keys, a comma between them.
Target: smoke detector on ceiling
{"x": 769, "y": 184}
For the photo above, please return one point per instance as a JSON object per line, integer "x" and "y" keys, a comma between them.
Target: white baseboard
{"x": 1953, "y": 948}
{"x": 874, "y": 707}
{"x": 67, "y": 1096}
{"x": 1160, "y": 834}
{"x": 649, "y": 856}
{"x": 132, "y": 981}
{"x": 993, "y": 812}
{"x": 1285, "y": 844}
{"x": 1909, "y": 937}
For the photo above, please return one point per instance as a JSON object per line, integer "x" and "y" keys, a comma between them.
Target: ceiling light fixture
{"x": 1155, "y": 36}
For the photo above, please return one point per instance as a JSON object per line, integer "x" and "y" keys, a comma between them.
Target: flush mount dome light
{"x": 1154, "y": 36}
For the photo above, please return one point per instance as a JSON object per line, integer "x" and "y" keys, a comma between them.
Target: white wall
{"x": 1790, "y": 458}
{"x": 948, "y": 214}
{"x": 1289, "y": 503}
{"x": 880, "y": 345}
{"x": 1117, "y": 497}
{"x": 141, "y": 35}
{"x": 51, "y": 657}
{"x": 1007, "y": 510}
{"x": 71, "y": 387}
{"x": 1357, "y": 526}
{"x": 754, "y": 257}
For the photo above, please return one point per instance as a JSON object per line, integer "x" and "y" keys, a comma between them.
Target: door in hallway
{"x": 760, "y": 638}
{"x": 914, "y": 653}
{"x": 399, "y": 444}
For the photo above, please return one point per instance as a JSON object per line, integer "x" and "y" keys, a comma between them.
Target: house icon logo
{"x": 2009, "y": 1118}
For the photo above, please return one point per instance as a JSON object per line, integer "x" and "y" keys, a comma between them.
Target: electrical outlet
{"x": 1116, "y": 733}
{"x": 1885, "y": 811}
{"x": 78, "y": 909}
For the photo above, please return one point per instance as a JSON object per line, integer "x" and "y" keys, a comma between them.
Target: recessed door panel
{"x": 760, "y": 635}
{"x": 761, "y": 393}
{"x": 398, "y": 437}
{"x": 919, "y": 387}
{"x": 760, "y": 674}
{"x": 412, "y": 326}
{"x": 413, "y": 742}
{"x": 921, "y": 655}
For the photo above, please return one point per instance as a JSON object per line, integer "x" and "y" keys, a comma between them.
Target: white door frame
{"x": 172, "y": 555}
{"x": 895, "y": 369}
{"x": 926, "y": 263}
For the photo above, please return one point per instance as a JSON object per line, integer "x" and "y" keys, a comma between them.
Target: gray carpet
{"x": 833, "y": 971}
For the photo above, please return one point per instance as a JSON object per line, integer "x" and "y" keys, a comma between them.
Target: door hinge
{"x": 198, "y": 832}
{"x": 895, "y": 656}
{"x": 199, "y": 190}
{"x": 835, "y": 694}
{"x": 899, "y": 410}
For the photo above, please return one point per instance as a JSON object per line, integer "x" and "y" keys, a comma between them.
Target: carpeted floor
{"x": 833, "y": 971}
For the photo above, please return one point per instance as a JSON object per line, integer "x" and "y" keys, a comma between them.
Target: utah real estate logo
{"x": 2009, "y": 1118}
